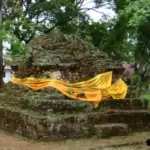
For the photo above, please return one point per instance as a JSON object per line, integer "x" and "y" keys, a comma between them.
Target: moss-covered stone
{"x": 50, "y": 101}
{"x": 68, "y": 54}
{"x": 47, "y": 114}
{"x": 56, "y": 126}
{"x": 127, "y": 104}
{"x": 114, "y": 129}
{"x": 55, "y": 106}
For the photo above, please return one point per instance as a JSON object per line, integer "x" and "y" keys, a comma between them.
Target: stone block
{"x": 80, "y": 125}
{"x": 109, "y": 130}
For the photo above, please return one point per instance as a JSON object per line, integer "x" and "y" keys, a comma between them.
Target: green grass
{"x": 145, "y": 96}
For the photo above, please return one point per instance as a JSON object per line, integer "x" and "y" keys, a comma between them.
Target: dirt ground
{"x": 136, "y": 141}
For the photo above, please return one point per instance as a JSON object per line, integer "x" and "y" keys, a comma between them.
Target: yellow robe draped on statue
{"x": 94, "y": 90}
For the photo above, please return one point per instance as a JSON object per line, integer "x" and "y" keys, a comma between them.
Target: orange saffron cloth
{"x": 94, "y": 90}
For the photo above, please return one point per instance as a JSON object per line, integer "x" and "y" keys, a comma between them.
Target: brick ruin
{"x": 69, "y": 58}
{"x": 47, "y": 114}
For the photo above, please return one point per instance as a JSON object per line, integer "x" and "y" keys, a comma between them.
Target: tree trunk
{"x": 1, "y": 65}
{"x": 138, "y": 87}
{"x": 1, "y": 49}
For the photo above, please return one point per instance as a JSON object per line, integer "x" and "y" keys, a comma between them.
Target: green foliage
{"x": 145, "y": 96}
{"x": 99, "y": 33}
{"x": 134, "y": 18}
{"x": 119, "y": 37}
{"x": 27, "y": 18}
{"x": 36, "y": 95}
{"x": 136, "y": 11}
{"x": 70, "y": 91}
{"x": 17, "y": 47}
{"x": 125, "y": 37}
{"x": 22, "y": 20}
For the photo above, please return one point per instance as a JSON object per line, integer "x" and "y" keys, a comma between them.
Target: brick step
{"x": 127, "y": 103}
{"x": 108, "y": 130}
{"x": 69, "y": 106}
{"x": 124, "y": 145}
{"x": 57, "y": 106}
{"x": 81, "y": 125}
{"x": 34, "y": 126}
{"x": 49, "y": 96}
{"x": 84, "y": 131}
{"x": 136, "y": 119}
